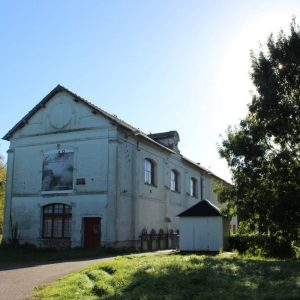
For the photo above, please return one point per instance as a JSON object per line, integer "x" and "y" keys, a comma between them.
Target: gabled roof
{"x": 96, "y": 109}
{"x": 56, "y": 90}
{"x": 204, "y": 208}
{"x": 113, "y": 118}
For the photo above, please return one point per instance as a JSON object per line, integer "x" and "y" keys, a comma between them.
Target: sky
{"x": 159, "y": 65}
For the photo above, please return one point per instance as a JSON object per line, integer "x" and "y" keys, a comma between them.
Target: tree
{"x": 263, "y": 152}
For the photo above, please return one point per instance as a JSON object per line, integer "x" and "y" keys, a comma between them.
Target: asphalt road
{"x": 17, "y": 281}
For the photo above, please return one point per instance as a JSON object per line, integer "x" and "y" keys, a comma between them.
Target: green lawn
{"x": 179, "y": 276}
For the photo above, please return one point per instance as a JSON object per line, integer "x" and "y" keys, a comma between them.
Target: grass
{"x": 179, "y": 276}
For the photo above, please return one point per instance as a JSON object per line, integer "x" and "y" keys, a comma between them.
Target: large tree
{"x": 263, "y": 152}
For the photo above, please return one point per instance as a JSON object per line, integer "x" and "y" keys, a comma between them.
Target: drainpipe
{"x": 134, "y": 186}
{"x": 8, "y": 195}
{"x": 201, "y": 188}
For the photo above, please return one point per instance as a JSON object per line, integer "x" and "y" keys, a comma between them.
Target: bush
{"x": 264, "y": 245}
{"x": 296, "y": 249}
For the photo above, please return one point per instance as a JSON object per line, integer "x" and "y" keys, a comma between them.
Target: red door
{"x": 92, "y": 232}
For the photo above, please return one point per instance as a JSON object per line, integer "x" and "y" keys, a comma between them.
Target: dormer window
{"x": 149, "y": 171}
{"x": 169, "y": 139}
{"x": 174, "y": 181}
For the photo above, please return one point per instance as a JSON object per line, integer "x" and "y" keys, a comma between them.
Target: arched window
{"x": 149, "y": 171}
{"x": 57, "y": 221}
{"x": 174, "y": 181}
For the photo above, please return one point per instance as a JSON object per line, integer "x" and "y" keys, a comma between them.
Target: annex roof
{"x": 204, "y": 208}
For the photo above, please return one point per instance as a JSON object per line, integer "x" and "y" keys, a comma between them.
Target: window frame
{"x": 174, "y": 181}
{"x": 149, "y": 171}
{"x": 65, "y": 217}
{"x": 193, "y": 187}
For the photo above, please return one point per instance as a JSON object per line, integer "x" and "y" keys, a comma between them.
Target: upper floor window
{"x": 57, "y": 221}
{"x": 233, "y": 228}
{"x": 193, "y": 187}
{"x": 149, "y": 171}
{"x": 57, "y": 172}
{"x": 174, "y": 181}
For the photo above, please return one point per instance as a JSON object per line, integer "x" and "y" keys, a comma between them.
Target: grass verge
{"x": 179, "y": 276}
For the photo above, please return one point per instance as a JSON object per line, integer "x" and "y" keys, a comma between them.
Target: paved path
{"x": 18, "y": 281}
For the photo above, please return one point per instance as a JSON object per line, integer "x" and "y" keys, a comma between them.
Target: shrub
{"x": 264, "y": 245}
{"x": 296, "y": 249}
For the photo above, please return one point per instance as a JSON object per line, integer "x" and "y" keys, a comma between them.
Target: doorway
{"x": 92, "y": 232}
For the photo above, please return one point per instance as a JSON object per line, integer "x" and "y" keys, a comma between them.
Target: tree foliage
{"x": 263, "y": 152}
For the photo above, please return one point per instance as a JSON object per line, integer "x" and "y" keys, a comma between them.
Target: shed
{"x": 203, "y": 228}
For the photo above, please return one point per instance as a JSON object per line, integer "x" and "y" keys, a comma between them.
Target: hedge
{"x": 264, "y": 245}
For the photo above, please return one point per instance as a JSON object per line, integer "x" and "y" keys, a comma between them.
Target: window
{"x": 149, "y": 171}
{"x": 174, "y": 181}
{"x": 233, "y": 228}
{"x": 57, "y": 221}
{"x": 193, "y": 187}
{"x": 57, "y": 172}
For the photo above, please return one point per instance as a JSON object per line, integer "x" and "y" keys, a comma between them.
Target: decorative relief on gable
{"x": 60, "y": 115}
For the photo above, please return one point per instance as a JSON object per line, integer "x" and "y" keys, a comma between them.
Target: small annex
{"x": 203, "y": 228}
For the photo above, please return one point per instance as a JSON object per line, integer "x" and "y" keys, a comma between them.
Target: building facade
{"x": 79, "y": 176}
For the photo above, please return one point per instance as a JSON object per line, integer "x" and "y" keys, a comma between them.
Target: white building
{"x": 79, "y": 176}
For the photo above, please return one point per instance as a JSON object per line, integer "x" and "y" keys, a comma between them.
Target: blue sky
{"x": 159, "y": 65}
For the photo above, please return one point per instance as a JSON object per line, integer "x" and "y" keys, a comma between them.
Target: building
{"x": 79, "y": 176}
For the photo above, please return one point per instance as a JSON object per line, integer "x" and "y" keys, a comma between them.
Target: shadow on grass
{"x": 213, "y": 278}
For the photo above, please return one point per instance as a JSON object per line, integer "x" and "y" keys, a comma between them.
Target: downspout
{"x": 134, "y": 192}
{"x": 8, "y": 195}
{"x": 201, "y": 188}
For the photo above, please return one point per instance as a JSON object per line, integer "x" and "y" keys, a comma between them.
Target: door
{"x": 201, "y": 234}
{"x": 92, "y": 232}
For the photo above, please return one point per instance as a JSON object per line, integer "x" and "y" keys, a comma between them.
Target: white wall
{"x": 89, "y": 137}
{"x": 152, "y": 204}
{"x": 201, "y": 234}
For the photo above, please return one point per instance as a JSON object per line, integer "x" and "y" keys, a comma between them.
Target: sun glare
{"x": 234, "y": 81}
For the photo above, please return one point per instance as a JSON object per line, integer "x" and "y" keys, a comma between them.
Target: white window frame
{"x": 149, "y": 171}
{"x": 174, "y": 181}
{"x": 193, "y": 187}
